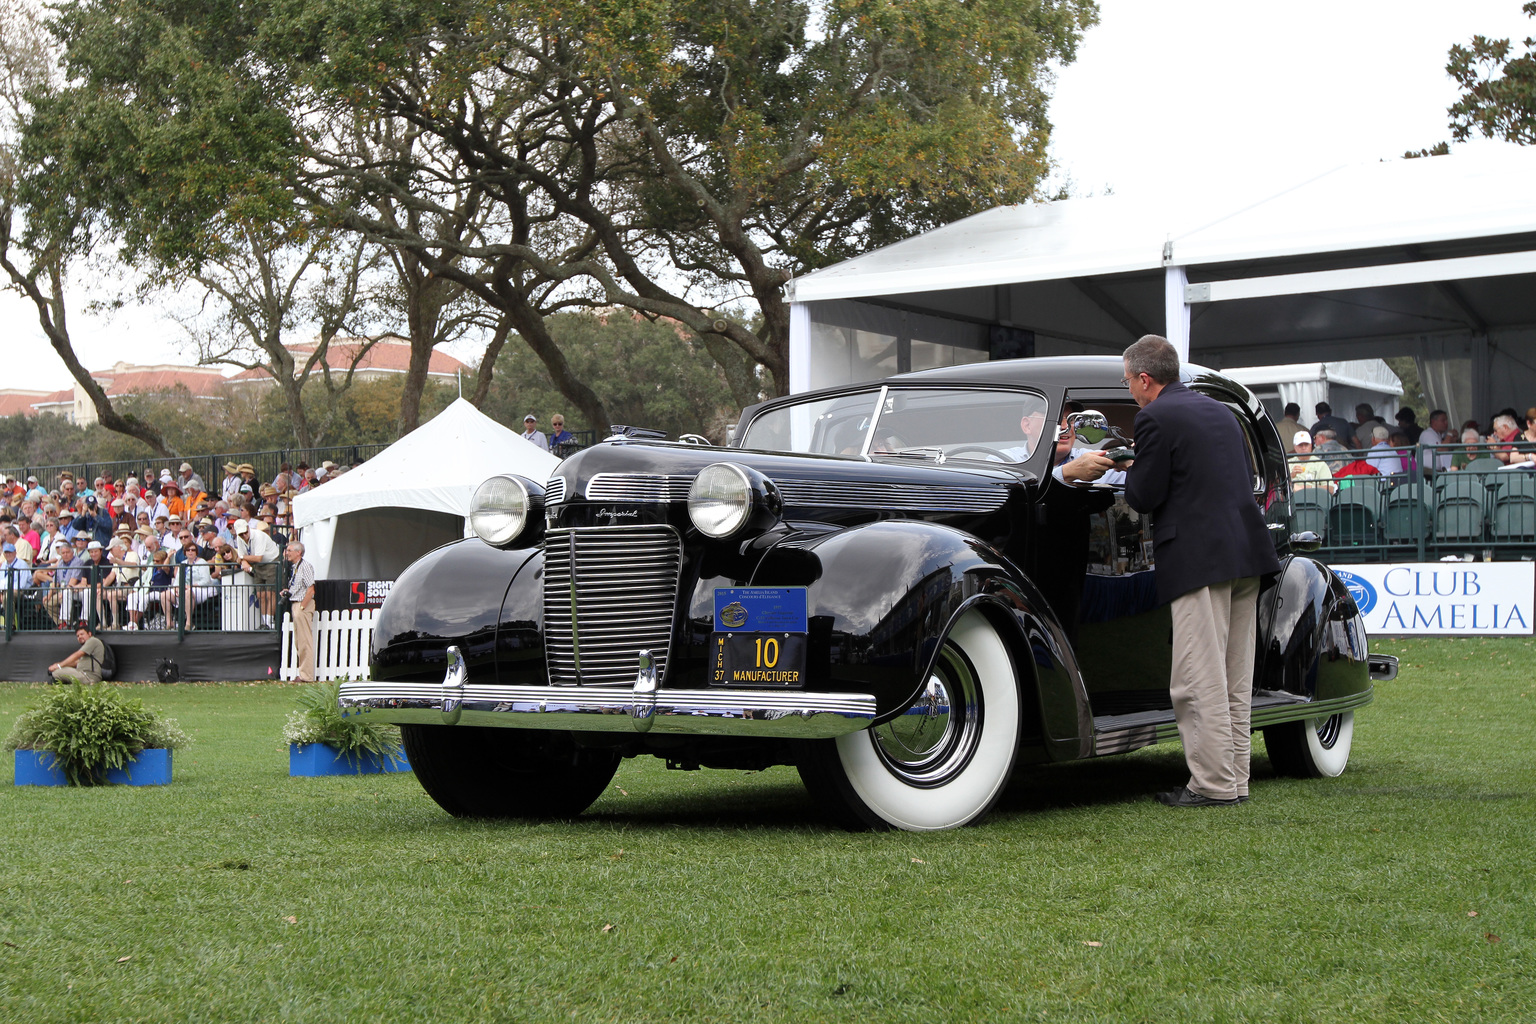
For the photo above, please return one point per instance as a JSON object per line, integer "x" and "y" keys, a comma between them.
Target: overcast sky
{"x": 1164, "y": 94}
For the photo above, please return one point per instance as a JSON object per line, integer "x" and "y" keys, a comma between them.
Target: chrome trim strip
{"x": 903, "y": 497}
{"x": 554, "y": 491}
{"x": 784, "y": 713}
{"x": 638, "y": 487}
{"x": 1120, "y": 741}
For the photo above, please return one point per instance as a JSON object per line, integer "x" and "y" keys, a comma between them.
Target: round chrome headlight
{"x": 503, "y": 507}
{"x": 726, "y": 498}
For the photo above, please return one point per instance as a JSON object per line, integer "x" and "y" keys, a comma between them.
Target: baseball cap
{"x": 9, "y": 547}
{"x": 239, "y": 526}
{"x": 530, "y": 418}
{"x": 1302, "y": 437}
{"x": 320, "y": 473}
{"x": 186, "y": 467}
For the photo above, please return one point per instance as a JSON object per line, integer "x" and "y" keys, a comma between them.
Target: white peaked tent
{"x": 413, "y": 496}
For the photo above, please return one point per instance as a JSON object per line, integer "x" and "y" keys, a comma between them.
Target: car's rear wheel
{"x": 506, "y": 773}
{"x": 944, "y": 761}
{"x": 1314, "y": 748}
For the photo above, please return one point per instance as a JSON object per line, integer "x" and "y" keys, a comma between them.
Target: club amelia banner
{"x": 1444, "y": 598}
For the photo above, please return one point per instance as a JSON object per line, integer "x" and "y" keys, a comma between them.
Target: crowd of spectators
{"x": 1333, "y": 448}
{"x": 146, "y": 552}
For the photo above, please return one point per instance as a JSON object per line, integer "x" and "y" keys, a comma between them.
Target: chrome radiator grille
{"x": 609, "y": 593}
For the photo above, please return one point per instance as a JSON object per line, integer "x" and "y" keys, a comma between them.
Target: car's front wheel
{"x": 1314, "y": 748}
{"x": 942, "y": 762}
{"x": 476, "y": 772}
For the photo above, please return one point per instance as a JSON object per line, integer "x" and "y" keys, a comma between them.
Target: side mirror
{"x": 1091, "y": 426}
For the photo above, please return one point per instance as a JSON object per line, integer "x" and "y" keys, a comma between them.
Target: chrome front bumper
{"x": 644, "y": 707}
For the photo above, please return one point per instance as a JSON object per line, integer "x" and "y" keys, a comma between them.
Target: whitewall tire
{"x": 941, "y": 764}
{"x": 1314, "y": 748}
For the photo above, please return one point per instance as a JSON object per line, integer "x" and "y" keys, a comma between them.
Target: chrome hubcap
{"x": 934, "y": 738}
{"x": 1328, "y": 730}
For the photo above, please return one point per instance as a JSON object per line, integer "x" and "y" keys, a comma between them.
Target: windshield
{"x": 962, "y": 423}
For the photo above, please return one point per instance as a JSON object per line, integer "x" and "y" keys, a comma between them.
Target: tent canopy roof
{"x": 435, "y": 467}
{"x": 1395, "y": 203}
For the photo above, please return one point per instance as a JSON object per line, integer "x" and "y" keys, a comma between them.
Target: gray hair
{"x": 297, "y": 546}
{"x": 1154, "y": 356}
{"x": 1507, "y": 421}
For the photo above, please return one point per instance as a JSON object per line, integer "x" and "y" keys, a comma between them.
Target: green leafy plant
{"x": 91, "y": 730}
{"x": 320, "y": 719}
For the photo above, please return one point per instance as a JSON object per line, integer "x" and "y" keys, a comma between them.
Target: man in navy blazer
{"x": 1192, "y": 475}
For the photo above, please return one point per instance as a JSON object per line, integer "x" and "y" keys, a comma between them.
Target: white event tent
{"x": 1433, "y": 258}
{"x": 373, "y": 521}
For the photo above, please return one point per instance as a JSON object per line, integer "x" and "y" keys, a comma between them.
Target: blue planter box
{"x": 322, "y": 759}
{"x": 38, "y": 768}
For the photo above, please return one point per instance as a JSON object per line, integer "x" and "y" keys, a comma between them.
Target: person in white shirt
{"x": 1435, "y": 433}
{"x": 532, "y": 433}
{"x": 259, "y": 557}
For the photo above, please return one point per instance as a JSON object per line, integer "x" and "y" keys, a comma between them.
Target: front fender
{"x": 452, "y": 595}
{"x": 1314, "y": 642}
{"x": 890, "y": 592}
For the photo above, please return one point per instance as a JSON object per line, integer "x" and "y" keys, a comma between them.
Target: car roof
{"x": 1064, "y": 371}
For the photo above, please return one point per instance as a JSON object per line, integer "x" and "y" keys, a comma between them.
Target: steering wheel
{"x": 977, "y": 448}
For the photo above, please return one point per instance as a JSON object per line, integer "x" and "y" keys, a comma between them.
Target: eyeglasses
{"x": 1127, "y": 379}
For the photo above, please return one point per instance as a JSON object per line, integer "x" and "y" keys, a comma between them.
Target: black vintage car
{"x": 880, "y": 584}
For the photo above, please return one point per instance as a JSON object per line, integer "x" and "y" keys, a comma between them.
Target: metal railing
{"x": 162, "y": 598}
{"x": 1432, "y": 503}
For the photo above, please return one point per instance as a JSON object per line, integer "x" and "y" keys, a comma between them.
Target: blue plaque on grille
{"x": 760, "y": 609}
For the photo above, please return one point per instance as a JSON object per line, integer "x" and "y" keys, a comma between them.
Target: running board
{"x": 1119, "y": 734}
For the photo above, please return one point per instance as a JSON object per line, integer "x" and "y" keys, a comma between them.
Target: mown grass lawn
{"x": 1402, "y": 891}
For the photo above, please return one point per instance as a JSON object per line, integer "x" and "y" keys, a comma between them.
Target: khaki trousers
{"x": 304, "y": 639}
{"x": 1212, "y": 684}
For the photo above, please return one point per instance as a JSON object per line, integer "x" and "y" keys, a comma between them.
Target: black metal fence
{"x": 1421, "y": 504}
{"x": 163, "y": 597}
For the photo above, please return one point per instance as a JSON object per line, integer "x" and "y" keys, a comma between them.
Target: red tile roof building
{"x": 388, "y": 357}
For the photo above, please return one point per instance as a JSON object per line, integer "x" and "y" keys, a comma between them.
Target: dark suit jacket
{"x": 1192, "y": 475}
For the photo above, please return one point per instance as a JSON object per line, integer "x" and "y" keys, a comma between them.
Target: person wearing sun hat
{"x": 231, "y": 482}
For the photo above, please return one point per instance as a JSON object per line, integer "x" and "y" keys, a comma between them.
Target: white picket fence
{"x": 341, "y": 644}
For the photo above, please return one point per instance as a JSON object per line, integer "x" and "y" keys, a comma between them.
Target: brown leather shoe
{"x": 1186, "y": 797}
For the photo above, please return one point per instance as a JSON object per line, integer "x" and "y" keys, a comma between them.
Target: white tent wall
{"x": 379, "y": 543}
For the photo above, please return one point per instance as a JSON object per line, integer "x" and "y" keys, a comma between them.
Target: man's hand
{"x": 1087, "y": 468}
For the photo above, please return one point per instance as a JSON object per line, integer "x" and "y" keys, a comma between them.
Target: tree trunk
{"x": 50, "y": 315}
{"x": 531, "y": 326}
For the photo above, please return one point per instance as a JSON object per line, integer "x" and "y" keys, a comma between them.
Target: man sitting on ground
{"x": 84, "y": 666}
